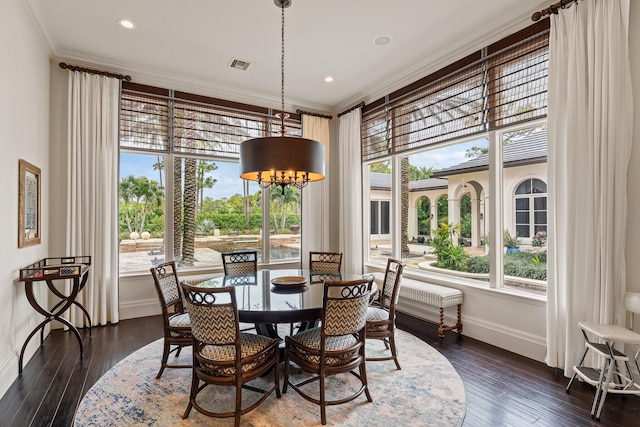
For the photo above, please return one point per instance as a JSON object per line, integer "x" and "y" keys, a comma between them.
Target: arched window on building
{"x": 531, "y": 207}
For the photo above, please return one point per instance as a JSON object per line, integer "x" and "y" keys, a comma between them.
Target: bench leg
{"x": 442, "y": 328}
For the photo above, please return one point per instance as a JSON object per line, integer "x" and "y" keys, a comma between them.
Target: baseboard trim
{"x": 139, "y": 308}
{"x": 513, "y": 340}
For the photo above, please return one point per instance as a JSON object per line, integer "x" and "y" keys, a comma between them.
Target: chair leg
{"x": 365, "y": 383}
{"x": 323, "y": 402}
{"x": 459, "y": 325}
{"x": 192, "y": 393}
{"x": 238, "y": 410}
{"x": 285, "y": 383}
{"x": 165, "y": 357}
{"x": 394, "y": 350}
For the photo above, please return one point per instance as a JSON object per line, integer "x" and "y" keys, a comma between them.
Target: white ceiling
{"x": 188, "y": 44}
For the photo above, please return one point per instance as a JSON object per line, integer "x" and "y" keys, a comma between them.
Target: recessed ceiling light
{"x": 328, "y": 79}
{"x": 126, "y": 23}
{"x": 382, "y": 40}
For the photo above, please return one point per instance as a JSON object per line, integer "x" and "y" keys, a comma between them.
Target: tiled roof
{"x": 530, "y": 149}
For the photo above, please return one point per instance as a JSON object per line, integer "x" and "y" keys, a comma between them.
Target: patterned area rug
{"x": 426, "y": 392}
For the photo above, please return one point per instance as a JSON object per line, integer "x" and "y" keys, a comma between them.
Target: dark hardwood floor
{"x": 503, "y": 389}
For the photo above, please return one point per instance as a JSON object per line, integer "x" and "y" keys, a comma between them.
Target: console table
{"x": 75, "y": 268}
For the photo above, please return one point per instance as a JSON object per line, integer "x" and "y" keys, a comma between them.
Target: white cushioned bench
{"x": 434, "y": 295}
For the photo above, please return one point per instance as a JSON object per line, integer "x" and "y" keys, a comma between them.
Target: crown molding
{"x": 188, "y": 84}
{"x": 36, "y": 14}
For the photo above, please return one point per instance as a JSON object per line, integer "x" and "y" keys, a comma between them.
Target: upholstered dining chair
{"x": 240, "y": 262}
{"x": 224, "y": 356}
{"x": 381, "y": 315}
{"x": 335, "y": 347}
{"x": 177, "y": 325}
{"x": 325, "y": 262}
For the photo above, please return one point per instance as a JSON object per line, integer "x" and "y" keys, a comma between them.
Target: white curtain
{"x": 315, "y": 197}
{"x": 350, "y": 212}
{"x": 590, "y": 127}
{"x": 92, "y": 188}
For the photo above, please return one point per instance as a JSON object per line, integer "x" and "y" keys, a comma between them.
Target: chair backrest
{"x": 240, "y": 262}
{"x": 165, "y": 278}
{"x": 391, "y": 286}
{"x": 325, "y": 262}
{"x": 344, "y": 306}
{"x": 213, "y": 313}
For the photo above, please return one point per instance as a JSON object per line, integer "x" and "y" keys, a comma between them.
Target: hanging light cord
{"x": 282, "y": 130}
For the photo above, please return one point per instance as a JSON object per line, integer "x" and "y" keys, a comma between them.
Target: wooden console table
{"x": 75, "y": 268}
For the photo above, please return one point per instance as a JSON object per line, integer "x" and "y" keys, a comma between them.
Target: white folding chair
{"x": 614, "y": 374}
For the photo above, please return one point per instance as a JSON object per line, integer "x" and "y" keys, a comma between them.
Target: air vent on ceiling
{"x": 239, "y": 64}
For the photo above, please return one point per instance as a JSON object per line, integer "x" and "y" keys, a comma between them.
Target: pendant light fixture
{"x": 282, "y": 161}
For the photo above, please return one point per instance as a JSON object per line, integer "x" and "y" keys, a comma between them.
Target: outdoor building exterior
{"x": 524, "y": 198}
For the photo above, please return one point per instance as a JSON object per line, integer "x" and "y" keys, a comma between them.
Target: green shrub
{"x": 450, "y": 256}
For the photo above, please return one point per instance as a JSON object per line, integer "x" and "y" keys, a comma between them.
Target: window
{"x": 379, "y": 210}
{"x": 531, "y": 207}
{"x": 181, "y": 197}
{"x": 456, "y": 146}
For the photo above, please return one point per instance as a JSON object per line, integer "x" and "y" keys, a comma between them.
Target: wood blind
{"x": 158, "y": 120}
{"x": 500, "y": 85}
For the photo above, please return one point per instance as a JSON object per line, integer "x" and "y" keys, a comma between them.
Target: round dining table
{"x": 268, "y": 297}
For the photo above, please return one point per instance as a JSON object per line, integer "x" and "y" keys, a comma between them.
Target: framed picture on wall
{"x": 29, "y": 231}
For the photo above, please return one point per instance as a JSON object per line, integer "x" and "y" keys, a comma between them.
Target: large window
{"x": 468, "y": 149}
{"x": 181, "y": 197}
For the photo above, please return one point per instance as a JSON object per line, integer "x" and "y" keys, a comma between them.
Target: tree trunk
{"x": 247, "y": 208}
{"x": 177, "y": 207}
{"x": 404, "y": 206}
{"x": 189, "y": 222}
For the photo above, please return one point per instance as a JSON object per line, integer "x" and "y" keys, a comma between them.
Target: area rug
{"x": 426, "y": 392}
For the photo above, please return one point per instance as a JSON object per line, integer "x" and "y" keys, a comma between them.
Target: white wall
{"x": 24, "y": 134}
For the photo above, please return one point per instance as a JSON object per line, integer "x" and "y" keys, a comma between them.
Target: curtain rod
{"x": 552, "y": 9}
{"x": 308, "y": 113}
{"x": 90, "y": 71}
{"x": 351, "y": 109}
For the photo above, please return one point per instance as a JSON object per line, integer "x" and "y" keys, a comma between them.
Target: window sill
{"x": 462, "y": 283}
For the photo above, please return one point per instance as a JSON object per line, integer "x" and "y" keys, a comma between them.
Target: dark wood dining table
{"x": 265, "y": 305}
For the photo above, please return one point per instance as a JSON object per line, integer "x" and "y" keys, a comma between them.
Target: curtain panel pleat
{"x": 92, "y": 188}
{"x": 315, "y": 197}
{"x": 590, "y": 128}
{"x": 350, "y": 209}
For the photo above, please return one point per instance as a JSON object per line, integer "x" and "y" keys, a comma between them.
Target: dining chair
{"x": 240, "y": 262}
{"x": 321, "y": 264}
{"x": 176, "y": 321}
{"x": 335, "y": 347}
{"x": 325, "y": 262}
{"x": 381, "y": 314}
{"x": 222, "y": 354}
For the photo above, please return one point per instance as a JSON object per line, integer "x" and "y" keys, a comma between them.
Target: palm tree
{"x": 189, "y": 216}
{"x": 177, "y": 207}
{"x": 404, "y": 206}
{"x": 159, "y": 166}
{"x": 138, "y": 195}
{"x": 203, "y": 181}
